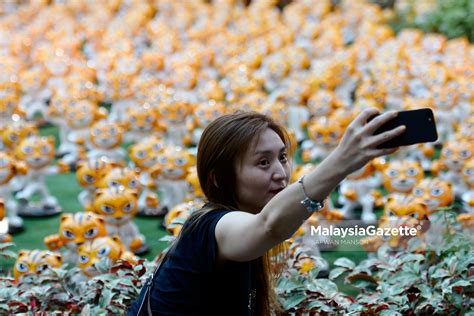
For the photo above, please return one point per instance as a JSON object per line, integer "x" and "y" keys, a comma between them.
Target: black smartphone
{"x": 420, "y": 128}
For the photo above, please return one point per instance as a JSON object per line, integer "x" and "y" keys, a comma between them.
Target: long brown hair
{"x": 221, "y": 146}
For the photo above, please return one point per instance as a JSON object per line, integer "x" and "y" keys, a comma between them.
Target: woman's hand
{"x": 358, "y": 144}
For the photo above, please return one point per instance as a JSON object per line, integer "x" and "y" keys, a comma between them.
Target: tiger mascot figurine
{"x": 35, "y": 262}
{"x": 143, "y": 122}
{"x": 79, "y": 119}
{"x": 4, "y": 236}
{"x": 400, "y": 210}
{"x": 129, "y": 178}
{"x": 88, "y": 173}
{"x": 401, "y": 176}
{"x": 144, "y": 155}
{"x": 204, "y": 114}
{"x": 174, "y": 114}
{"x": 38, "y": 153}
{"x": 175, "y": 218}
{"x": 109, "y": 248}
{"x": 324, "y": 135}
{"x": 357, "y": 190}
{"x": 74, "y": 230}
{"x": 15, "y": 132}
{"x": 119, "y": 206}
{"x": 467, "y": 197}
{"x": 434, "y": 192}
{"x": 105, "y": 138}
{"x": 9, "y": 170}
{"x": 454, "y": 156}
{"x": 170, "y": 175}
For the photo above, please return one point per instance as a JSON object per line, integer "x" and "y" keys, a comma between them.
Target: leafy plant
{"x": 454, "y": 18}
{"x": 438, "y": 280}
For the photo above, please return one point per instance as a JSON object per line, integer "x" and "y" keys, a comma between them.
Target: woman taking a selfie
{"x": 219, "y": 263}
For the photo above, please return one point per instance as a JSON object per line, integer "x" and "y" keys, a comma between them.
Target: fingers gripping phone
{"x": 420, "y": 128}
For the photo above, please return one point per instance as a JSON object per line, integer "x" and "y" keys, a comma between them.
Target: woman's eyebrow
{"x": 262, "y": 152}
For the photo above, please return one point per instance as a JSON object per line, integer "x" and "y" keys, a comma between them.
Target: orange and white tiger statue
{"x": 119, "y": 206}
{"x": 467, "y": 197}
{"x": 401, "y": 176}
{"x": 324, "y": 135}
{"x": 38, "y": 262}
{"x": 174, "y": 114}
{"x": 35, "y": 93}
{"x": 108, "y": 248}
{"x": 10, "y": 168}
{"x": 88, "y": 174}
{"x": 15, "y": 132}
{"x": 37, "y": 152}
{"x": 454, "y": 155}
{"x": 105, "y": 138}
{"x": 74, "y": 230}
{"x": 4, "y": 235}
{"x": 170, "y": 175}
{"x": 143, "y": 121}
{"x": 400, "y": 210}
{"x": 144, "y": 155}
{"x": 434, "y": 193}
{"x": 79, "y": 119}
{"x": 357, "y": 191}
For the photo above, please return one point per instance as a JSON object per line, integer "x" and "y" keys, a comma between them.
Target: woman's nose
{"x": 280, "y": 172}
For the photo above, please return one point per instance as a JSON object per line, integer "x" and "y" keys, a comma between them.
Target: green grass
{"x": 66, "y": 189}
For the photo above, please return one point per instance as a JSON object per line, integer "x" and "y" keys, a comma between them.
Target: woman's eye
{"x": 284, "y": 157}
{"x": 264, "y": 163}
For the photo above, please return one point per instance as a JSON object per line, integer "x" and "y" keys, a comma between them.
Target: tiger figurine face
{"x": 145, "y": 153}
{"x": 444, "y": 97}
{"x": 324, "y": 132}
{"x": 174, "y": 162}
{"x": 142, "y": 119}
{"x": 207, "y": 112}
{"x": 323, "y": 103}
{"x": 402, "y": 176}
{"x": 9, "y": 105}
{"x": 468, "y": 174}
{"x": 406, "y": 209}
{"x": 35, "y": 262}
{"x": 456, "y": 153}
{"x": 80, "y": 227}
{"x": 174, "y": 112}
{"x": 108, "y": 248}
{"x": 17, "y": 131}
{"x": 117, "y": 204}
{"x": 90, "y": 172}
{"x": 175, "y": 218}
{"x": 33, "y": 80}
{"x": 106, "y": 135}
{"x": 37, "y": 151}
{"x": 435, "y": 193}
{"x": 126, "y": 177}
{"x": 81, "y": 115}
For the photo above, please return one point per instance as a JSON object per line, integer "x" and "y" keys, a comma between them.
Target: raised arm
{"x": 242, "y": 236}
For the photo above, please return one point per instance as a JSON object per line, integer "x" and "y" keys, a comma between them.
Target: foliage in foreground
{"x": 437, "y": 280}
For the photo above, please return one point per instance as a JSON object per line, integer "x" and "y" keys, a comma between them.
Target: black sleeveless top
{"x": 191, "y": 283}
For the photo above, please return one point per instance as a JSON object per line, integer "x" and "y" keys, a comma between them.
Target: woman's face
{"x": 263, "y": 171}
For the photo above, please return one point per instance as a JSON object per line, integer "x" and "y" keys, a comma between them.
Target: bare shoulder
{"x": 242, "y": 236}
